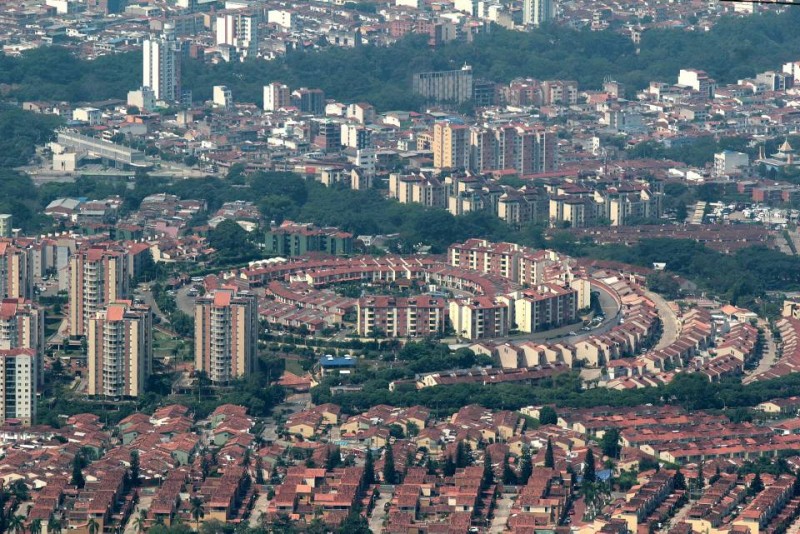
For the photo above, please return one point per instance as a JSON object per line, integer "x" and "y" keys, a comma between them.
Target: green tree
{"x": 488, "y": 474}
{"x": 463, "y": 455}
{"x": 549, "y": 461}
{"x": 93, "y": 526}
{"x": 756, "y": 485}
{"x": 449, "y": 467}
{"x": 609, "y": 443}
{"x": 389, "y": 469}
{"x": 509, "y": 476}
{"x": 53, "y": 525}
{"x": 77, "y": 471}
{"x": 369, "y": 469}
{"x": 36, "y": 527}
{"x": 140, "y": 521}
{"x": 231, "y": 241}
{"x": 135, "y": 467}
{"x": 548, "y": 416}
{"x": 680, "y": 480}
{"x": 197, "y": 510}
{"x": 354, "y": 523}
{"x": 16, "y": 524}
{"x": 589, "y": 467}
{"x": 525, "y": 467}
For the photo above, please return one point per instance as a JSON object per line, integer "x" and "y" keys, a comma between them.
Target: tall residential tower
{"x": 120, "y": 350}
{"x": 162, "y": 67}
{"x": 225, "y": 334}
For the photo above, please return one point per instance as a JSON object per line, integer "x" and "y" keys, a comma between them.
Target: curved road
{"x": 669, "y": 321}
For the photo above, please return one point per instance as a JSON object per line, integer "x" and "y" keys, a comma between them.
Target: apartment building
{"x": 572, "y": 211}
{"x": 18, "y": 371}
{"x": 277, "y": 96}
{"x": 450, "y": 145}
{"x": 161, "y": 65}
{"x": 508, "y": 260}
{"x": 480, "y": 317}
{"x": 417, "y": 189}
{"x": 418, "y": 316}
{"x": 481, "y": 255}
{"x": 697, "y": 80}
{"x": 225, "y": 334}
{"x": 625, "y": 204}
{"x": 22, "y": 326}
{"x": 239, "y": 30}
{"x": 444, "y": 86}
{"x": 547, "y": 306}
{"x": 296, "y": 239}
{"x": 120, "y": 350}
{"x": 6, "y": 221}
{"x": 522, "y": 148}
{"x": 309, "y": 101}
{"x": 98, "y": 276}
{"x": 538, "y": 12}
{"x": 16, "y": 271}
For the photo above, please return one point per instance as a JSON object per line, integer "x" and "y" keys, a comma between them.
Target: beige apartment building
{"x": 98, "y": 275}
{"x": 225, "y": 334}
{"x": 16, "y": 271}
{"x": 450, "y": 145}
{"x": 18, "y": 386}
{"x": 120, "y": 350}
{"x": 22, "y": 326}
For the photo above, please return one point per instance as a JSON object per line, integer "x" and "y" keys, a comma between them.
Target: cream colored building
{"x": 120, "y": 350}
{"x": 450, "y": 146}
{"x": 16, "y": 272}
{"x": 98, "y": 275}
{"x": 225, "y": 334}
{"x": 18, "y": 386}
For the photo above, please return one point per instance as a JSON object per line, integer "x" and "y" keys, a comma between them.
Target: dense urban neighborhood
{"x": 402, "y": 266}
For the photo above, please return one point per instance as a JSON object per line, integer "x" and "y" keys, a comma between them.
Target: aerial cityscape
{"x": 399, "y": 266}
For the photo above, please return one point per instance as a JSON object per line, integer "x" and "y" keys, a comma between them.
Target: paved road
{"x": 260, "y": 506}
{"x": 679, "y": 516}
{"x": 144, "y": 504}
{"x": 378, "y": 516}
{"x": 669, "y": 321}
{"x": 183, "y": 301}
{"x": 794, "y": 528}
{"x": 501, "y": 512}
{"x": 143, "y": 292}
{"x": 769, "y": 357}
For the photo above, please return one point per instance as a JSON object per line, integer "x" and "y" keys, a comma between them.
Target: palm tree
{"x": 16, "y": 524}
{"x": 140, "y": 521}
{"x": 197, "y": 511}
{"x": 53, "y": 525}
{"x": 93, "y": 526}
{"x": 36, "y": 527}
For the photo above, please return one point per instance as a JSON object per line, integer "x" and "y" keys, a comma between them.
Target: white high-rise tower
{"x": 161, "y": 62}
{"x": 537, "y": 12}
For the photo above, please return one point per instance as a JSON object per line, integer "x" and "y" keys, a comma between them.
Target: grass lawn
{"x": 293, "y": 366}
{"x": 163, "y": 345}
{"x": 51, "y": 325}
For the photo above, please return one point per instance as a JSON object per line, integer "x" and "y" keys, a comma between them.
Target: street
{"x": 669, "y": 321}
{"x": 378, "y": 515}
{"x": 501, "y": 512}
{"x": 770, "y": 355}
